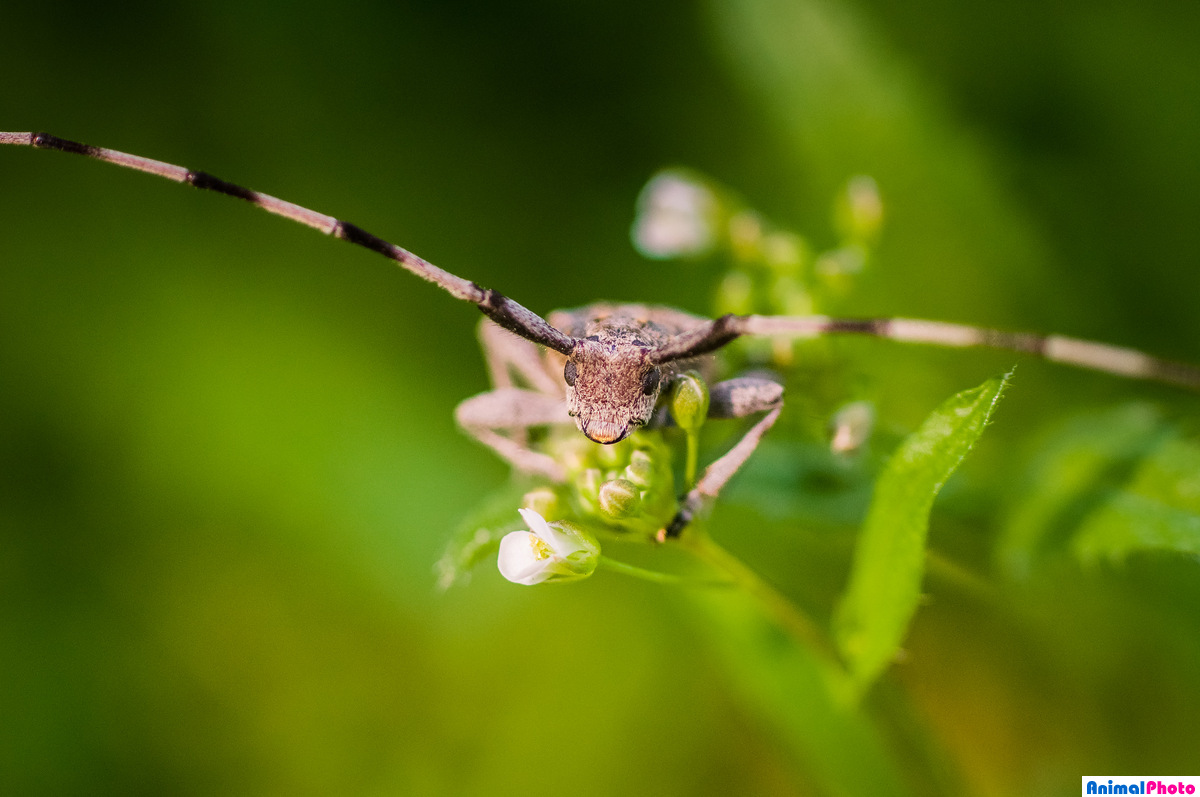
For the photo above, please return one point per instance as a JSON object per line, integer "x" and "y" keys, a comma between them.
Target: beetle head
{"x": 612, "y": 387}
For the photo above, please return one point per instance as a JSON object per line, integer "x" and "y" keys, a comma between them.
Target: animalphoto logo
{"x": 1140, "y": 784}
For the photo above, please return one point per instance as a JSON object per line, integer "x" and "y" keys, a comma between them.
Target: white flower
{"x": 545, "y": 553}
{"x": 852, "y": 426}
{"x": 675, "y": 217}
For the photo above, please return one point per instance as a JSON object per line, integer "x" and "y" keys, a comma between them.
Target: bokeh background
{"x": 228, "y": 462}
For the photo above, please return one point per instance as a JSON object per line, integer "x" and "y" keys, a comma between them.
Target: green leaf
{"x": 841, "y": 749}
{"x": 478, "y": 536}
{"x": 1078, "y": 466}
{"x": 1130, "y": 522}
{"x": 885, "y": 579}
{"x": 1158, "y": 510}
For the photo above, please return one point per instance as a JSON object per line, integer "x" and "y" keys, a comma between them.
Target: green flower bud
{"x": 789, "y": 297}
{"x": 858, "y": 211}
{"x": 745, "y": 236}
{"x": 842, "y": 262}
{"x": 785, "y": 252}
{"x": 589, "y": 483}
{"x": 543, "y": 500}
{"x": 640, "y": 470}
{"x": 620, "y": 498}
{"x": 689, "y": 402}
{"x": 736, "y": 294}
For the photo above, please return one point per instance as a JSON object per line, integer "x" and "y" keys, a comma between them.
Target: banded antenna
{"x": 499, "y": 308}
{"x": 705, "y": 339}
{"x": 1088, "y": 354}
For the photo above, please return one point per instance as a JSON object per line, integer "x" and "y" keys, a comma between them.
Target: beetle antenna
{"x": 504, "y": 311}
{"x": 1088, "y": 354}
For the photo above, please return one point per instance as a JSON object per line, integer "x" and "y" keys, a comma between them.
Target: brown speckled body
{"x": 612, "y": 386}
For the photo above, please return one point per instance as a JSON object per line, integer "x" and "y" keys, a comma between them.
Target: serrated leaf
{"x": 889, "y": 560}
{"x": 1077, "y": 467}
{"x": 1129, "y": 522}
{"x": 1158, "y": 510}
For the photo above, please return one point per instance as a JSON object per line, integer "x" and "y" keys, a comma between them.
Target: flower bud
{"x": 640, "y": 469}
{"x": 543, "y": 500}
{"x": 858, "y": 212}
{"x": 589, "y": 484}
{"x": 785, "y": 252}
{"x": 545, "y": 553}
{"x": 620, "y": 498}
{"x": 735, "y": 294}
{"x": 789, "y": 297}
{"x": 675, "y": 217}
{"x": 745, "y": 236}
{"x": 852, "y": 425}
{"x": 842, "y": 262}
{"x": 689, "y": 402}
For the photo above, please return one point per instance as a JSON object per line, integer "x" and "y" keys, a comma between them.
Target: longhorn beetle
{"x": 616, "y": 360}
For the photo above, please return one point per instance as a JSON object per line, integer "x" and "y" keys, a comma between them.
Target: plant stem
{"x": 789, "y": 617}
{"x": 660, "y": 578}
{"x": 955, "y": 574}
{"x": 693, "y": 447}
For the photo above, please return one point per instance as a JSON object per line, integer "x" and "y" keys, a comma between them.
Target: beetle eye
{"x": 569, "y": 373}
{"x": 650, "y": 381}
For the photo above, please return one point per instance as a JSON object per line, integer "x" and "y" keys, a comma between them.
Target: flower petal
{"x": 562, "y": 544}
{"x": 521, "y": 558}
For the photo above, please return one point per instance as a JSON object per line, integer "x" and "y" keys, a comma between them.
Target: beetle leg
{"x": 718, "y": 474}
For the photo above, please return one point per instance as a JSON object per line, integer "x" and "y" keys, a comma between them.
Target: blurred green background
{"x": 228, "y": 461}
